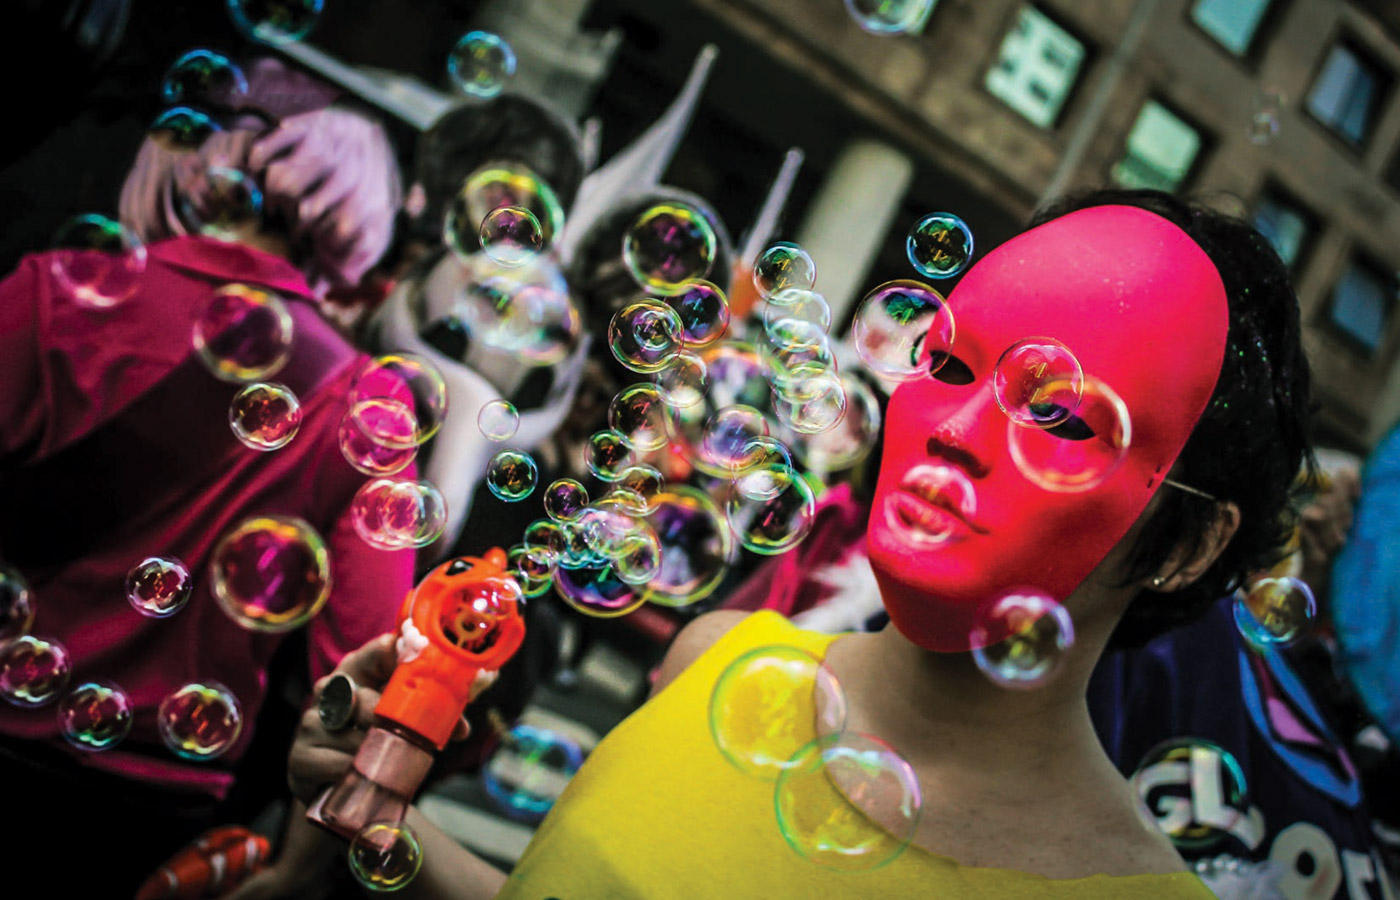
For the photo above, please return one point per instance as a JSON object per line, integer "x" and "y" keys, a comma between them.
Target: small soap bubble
{"x": 361, "y": 451}
{"x": 219, "y": 202}
{"x": 200, "y": 721}
{"x": 16, "y": 604}
{"x": 669, "y": 245}
{"x": 1022, "y": 639}
{"x": 684, "y": 380}
{"x": 703, "y": 311}
{"x": 565, "y": 499}
{"x": 607, "y": 453}
{"x": 265, "y": 416}
{"x": 275, "y": 21}
{"x": 761, "y": 468}
{"x": 1274, "y": 611}
{"x": 182, "y": 128}
{"x": 645, "y": 481}
{"x": 886, "y": 17}
{"x": 1194, "y": 791}
{"x": 1037, "y": 382}
{"x": 271, "y": 573}
{"x": 480, "y": 64}
{"x": 851, "y": 441}
{"x": 795, "y": 347}
{"x": 595, "y": 590}
{"x": 532, "y": 567}
{"x": 243, "y": 334}
{"x": 608, "y": 524}
{"x": 1264, "y": 122}
{"x": 783, "y": 265}
{"x": 811, "y": 400}
{"x": 529, "y": 771}
{"x": 638, "y": 558}
{"x": 727, "y": 434}
{"x": 395, "y": 514}
{"x": 547, "y": 535}
{"x": 202, "y": 76}
{"x": 577, "y": 553}
{"x": 848, "y": 802}
{"x": 98, "y": 261}
{"x": 796, "y": 304}
{"x": 385, "y": 856}
{"x": 498, "y": 420}
{"x": 512, "y": 475}
{"x": 33, "y": 670}
{"x": 770, "y": 703}
{"x": 695, "y": 547}
{"x": 95, "y": 715}
{"x": 776, "y": 518}
{"x": 1082, "y": 451}
{"x": 399, "y": 400}
{"x": 159, "y": 586}
{"x": 536, "y": 322}
{"x": 496, "y": 186}
{"x": 511, "y": 236}
{"x": 939, "y": 245}
{"x": 903, "y": 330}
{"x": 645, "y": 336}
{"x": 639, "y": 413}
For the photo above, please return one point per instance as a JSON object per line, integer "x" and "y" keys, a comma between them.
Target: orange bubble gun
{"x": 462, "y": 618}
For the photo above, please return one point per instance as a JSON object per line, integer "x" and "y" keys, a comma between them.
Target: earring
{"x": 1159, "y": 581}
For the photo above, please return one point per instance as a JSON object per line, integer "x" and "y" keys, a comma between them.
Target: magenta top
{"x": 115, "y": 446}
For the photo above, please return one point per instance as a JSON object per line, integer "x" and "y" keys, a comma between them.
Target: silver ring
{"x": 336, "y": 705}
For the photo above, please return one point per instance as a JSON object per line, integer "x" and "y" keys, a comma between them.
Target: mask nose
{"x": 968, "y": 431}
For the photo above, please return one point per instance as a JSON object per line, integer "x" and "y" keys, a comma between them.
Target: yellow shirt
{"x": 657, "y": 813}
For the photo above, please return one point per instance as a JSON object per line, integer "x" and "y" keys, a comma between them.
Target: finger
{"x": 365, "y": 702}
{"x": 463, "y": 730}
{"x": 372, "y": 664}
{"x": 482, "y": 682}
{"x": 311, "y": 769}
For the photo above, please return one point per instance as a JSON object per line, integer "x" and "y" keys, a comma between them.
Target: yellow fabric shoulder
{"x": 657, "y": 812}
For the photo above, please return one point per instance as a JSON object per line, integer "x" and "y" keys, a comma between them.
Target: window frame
{"x": 1274, "y": 189}
{"x": 1361, "y": 258}
{"x": 1089, "y": 59}
{"x": 1193, "y": 171}
{"x": 1359, "y": 49}
{"x": 1253, "y": 54}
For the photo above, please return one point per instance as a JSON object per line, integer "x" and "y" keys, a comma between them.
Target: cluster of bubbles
{"x": 529, "y": 770}
{"x": 1274, "y": 611}
{"x": 1194, "y": 791}
{"x": 889, "y": 17}
{"x": 397, "y": 513}
{"x": 385, "y": 856}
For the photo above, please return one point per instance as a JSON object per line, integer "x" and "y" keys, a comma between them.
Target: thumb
{"x": 371, "y": 664}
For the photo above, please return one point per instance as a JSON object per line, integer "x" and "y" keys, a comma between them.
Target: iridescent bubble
{"x": 546, "y": 535}
{"x": 1037, "y": 382}
{"x": 275, "y": 21}
{"x": 399, "y": 400}
{"x": 595, "y": 590}
{"x": 538, "y": 323}
{"x": 606, "y": 454}
{"x": 669, "y": 245}
{"x": 1081, "y": 452}
{"x": 159, "y": 586}
{"x": 638, "y": 560}
{"x": 498, "y": 420}
{"x": 512, "y": 475}
{"x": 684, "y": 380}
{"x": 200, "y": 721}
{"x": 795, "y": 347}
{"x": 271, "y": 573}
{"x": 851, "y": 441}
{"x": 810, "y": 400}
{"x": 695, "y": 547}
{"x": 385, "y": 856}
{"x": 645, "y": 481}
{"x": 1021, "y": 639}
{"x": 1274, "y": 611}
{"x": 95, "y": 715}
{"x": 890, "y": 16}
{"x": 775, "y": 519}
{"x": 916, "y": 514}
{"x": 265, "y": 416}
{"x": 939, "y": 245}
{"x": 849, "y": 802}
{"x": 496, "y": 186}
{"x": 782, "y": 266}
{"x": 33, "y": 670}
{"x": 244, "y": 334}
{"x": 727, "y": 435}
{"x": 577, "y": 553}
{"x": 511, "y": 236}
{"x": 1264, "y": 122}
{"x": 361, "y": 451}
{"x": 97, "y": 261}
{"x": 16, "y": 604}
{"x": 480, "y": 64}
{"x": 532, "y": 568}
{"x": 221, "y": 203}
{"x": 770, "y": 703}
{"x": 760, "y": 473}
{"x": 903, "y": 330}
{"x": 1194, "y": 790}
{"x": 795, "y": 304}
{"x": 639, "y": 413}
{"x": 202, "y": 76}
{"x": 645, "y": 336}
{"x": 530, "y": 770}
{"x": 564, "y": 499}
{"x": 703, "y": 311}
{"x": 394, "y": 514}
{"x": 608, "y": 525}
{"x": 182, "y": 128}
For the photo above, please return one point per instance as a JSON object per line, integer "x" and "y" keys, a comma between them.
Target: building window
{"x": 1362, "y": 304}
{"x": 1347, "y": 94}
{"x": 1231, "y": 22}
{"x": 1161, "y": 150}
{"x": 1287, "y": 225}
{"x": 1036, "y": 67}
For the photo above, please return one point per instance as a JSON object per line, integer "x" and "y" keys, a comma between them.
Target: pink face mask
{"x": 955, "y": 524}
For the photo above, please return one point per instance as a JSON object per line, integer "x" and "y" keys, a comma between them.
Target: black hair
{"x": 1253, "y": 438}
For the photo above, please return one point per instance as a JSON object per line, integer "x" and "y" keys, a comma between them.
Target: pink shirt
{"x": 115, "y": 446}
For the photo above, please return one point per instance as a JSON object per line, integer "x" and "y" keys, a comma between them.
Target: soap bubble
{"x": 669, "y": 245}
{"x": 511, "y": 236}
{"x": 33, "y": 670}
{"x": 1022, "y": 639}
{"x": 394, "y": 514}
{"x": 221, "y": 203}
{"x": 727, "y": 434}
{"x": 939, "y": 245}
{"x": 536, "y": 322}
{"x": 480, "y": 64}
{"x": 638, "y": 559}
{"x": 781, "y": 266}
{"x": 645, "y": 336}
{"x": 886, "y": 17}
{"x": 532, "y": 567}
{"x": 16, "y": 604}
{"x": 1081, "y": 452}
{"x": 644, "y": 481}
{"x": 775, "y": 518}
{"x": 683, "y": 381}
{"x": 903, "y": 330}
{"x": 703, "y": 310}
{"x": 695, "y": 547}
{"x": 399, "y": 400}
{"x": 607, "y": 453}
{"x": 529, "y": 771}
{"x": 243, "y": 334}
{"x": 770, "y": 703}
{"x": 1274, "y": 611}
{"x": 265, "y": 416}
{"x": 811, "y": 400}
{"x": 159, "y": 586}
{"x": 512, "y": 475}
{"x": 181, "y": 128}
{"x": 95, "y": 715}
{"x": 385, "y": 856}
{"x": 546, "y": 535}
{"x": 271, "y": 573}
{"x": 760, "y": 473}
{"x": 639, "y": 413}
{"x": 361, "y": 451}
{"x": 1264, "y": 122}
{"x": 497, "y": 186}
{"x": 848, "y": 802}
{"x": 200, "y": 721}
{"x": 608, "y": 525}
{"x": 1194, "y": 790}
{"x": 1038, "y": 382}
{"x": 595, "y": 590}
{"x": 795, "y": 304}
{"x": 98, "y": 261}
{"x": 498, "y": 420}
{"x": 795, "y": 348}
{"x": 202, "y": 76}
{"x": 275, "y": 21}
{"x": 850, "y": 442}
{"x": 564, "y": 499}
{"x": 577, "y": 553}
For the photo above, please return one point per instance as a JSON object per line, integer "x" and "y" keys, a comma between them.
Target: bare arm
{"x": 693, "y": 640}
